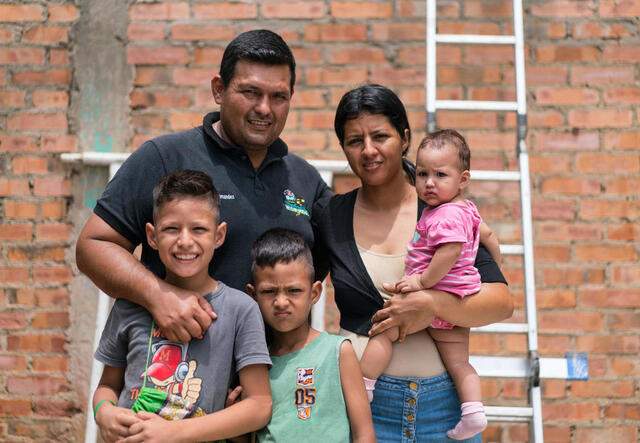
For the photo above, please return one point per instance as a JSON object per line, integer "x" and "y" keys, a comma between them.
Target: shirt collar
{"x": 278, "y": 148}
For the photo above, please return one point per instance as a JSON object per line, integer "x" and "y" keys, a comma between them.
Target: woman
{"x": 366, "y": 232}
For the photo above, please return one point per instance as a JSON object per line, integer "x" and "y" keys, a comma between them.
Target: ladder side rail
{"x": 431, "y": 65}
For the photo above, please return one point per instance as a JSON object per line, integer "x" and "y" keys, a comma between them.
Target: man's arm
{"x": 355, "y": 396}
{"x": 250, "y": 414}
{"x": 105, "y": 256}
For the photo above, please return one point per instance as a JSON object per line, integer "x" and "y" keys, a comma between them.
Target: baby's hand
{"x": 409, "y": 283}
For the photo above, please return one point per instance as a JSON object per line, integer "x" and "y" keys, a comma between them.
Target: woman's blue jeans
{"x": 419, "y": 410}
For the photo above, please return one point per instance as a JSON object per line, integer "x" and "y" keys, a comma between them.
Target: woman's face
{"x": 374, "y": 148}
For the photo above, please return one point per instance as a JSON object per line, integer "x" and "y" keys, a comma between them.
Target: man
{"x": 261, "y": 186}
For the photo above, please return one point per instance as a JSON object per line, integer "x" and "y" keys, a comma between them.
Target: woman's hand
{"x": 410, "y": 312}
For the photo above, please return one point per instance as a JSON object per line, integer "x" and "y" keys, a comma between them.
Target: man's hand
{"x": 114, "y": 422}
{"x": 181, "y": 314}
{"x": 409, "y": 283}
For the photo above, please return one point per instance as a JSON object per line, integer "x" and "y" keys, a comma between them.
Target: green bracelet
{"x": 95, "y": 411}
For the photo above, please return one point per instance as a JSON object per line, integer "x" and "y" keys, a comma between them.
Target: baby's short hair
{"x": 444, "y": 137}
{"x": 185, "y": 183}
{"x": 279, "y": 245}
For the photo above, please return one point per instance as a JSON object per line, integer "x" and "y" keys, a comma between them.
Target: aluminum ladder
{"x": 574, "y": 366}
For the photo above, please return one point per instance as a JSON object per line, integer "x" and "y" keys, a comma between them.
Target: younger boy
{"x": 191, "y": 378}
{"x": 316, "y": 381}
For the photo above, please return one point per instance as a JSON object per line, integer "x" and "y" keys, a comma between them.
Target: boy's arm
{"x": 355, "y": 396}
{"x": 250, "y": 414}
{"x": 441, "y": 263}
{"x": 112, "y": 420}
{"x": 490, "y": 241}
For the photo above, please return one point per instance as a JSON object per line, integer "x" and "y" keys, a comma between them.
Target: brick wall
{"x": 583, "y": 84}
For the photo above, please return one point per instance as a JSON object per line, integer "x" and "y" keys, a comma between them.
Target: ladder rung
{"x": 477, "y": 105}
{"x": 476, "y": 39}
{"x": 504, "y": 328}
{"x": 495, "y": 175}
{"x": 508, "y": 413}
{"x": 508, "y": 367}
{"x": 512, "y": 249}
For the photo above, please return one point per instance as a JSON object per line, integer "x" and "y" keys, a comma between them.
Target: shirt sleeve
{"x": 127, "y": 201}
{"x": 448, "y": 230}
{"x": 113, "y": 346}
{"x": 250, "y": 346}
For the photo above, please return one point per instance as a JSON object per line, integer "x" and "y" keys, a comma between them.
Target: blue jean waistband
{"x": 423, "y": 384}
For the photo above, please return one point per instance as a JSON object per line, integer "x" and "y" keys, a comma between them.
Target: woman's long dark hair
{"x": 376, "y": 100}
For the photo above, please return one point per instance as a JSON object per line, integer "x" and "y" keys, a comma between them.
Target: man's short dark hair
{"x": 279, "y": 245}
{"x": 185, "y": 183}
{"x": 258, "y": 45}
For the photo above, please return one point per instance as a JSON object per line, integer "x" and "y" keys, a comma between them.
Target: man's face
{"x": 254, "y": 105}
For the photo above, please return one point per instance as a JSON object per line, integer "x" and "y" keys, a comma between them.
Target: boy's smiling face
{"x": 285, "y": 294}
{"x": 185, "y": 234}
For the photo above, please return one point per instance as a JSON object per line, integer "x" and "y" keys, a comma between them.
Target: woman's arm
{"x": 414, "y": 311}
{"x": 355, "y": 396}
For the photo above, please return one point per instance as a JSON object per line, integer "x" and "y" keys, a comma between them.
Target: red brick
{"x": 623, "y": 186}
{"x": 558, "y": 53}
{"x": 200, "y": 32}
{"x": 179, "y": 121}
{"x": 600, "y": 118}
{"x": 48, "y": 320}
{"x": 307, "y": 56}
{"x": 572, "y": 277}
{"x": 46, "y": 35}
{"x": 622, "y": 411}
{"x": 13, "y": 187}
{"x": 29, "y": 165}
{"x": 619, "y": 8}
{"x": 466, "y": 27}
{"x": 336, "y": 32}
{"x": 317, "y": 120}
{"x": 159, "y": 11}
{"x": 552, "y": 209}
{"x": 225, "y": 10}
{"x": 583, "y": 321}
{"x": 15, "y": 232}
{"x": 35, "y": 385}
{"x": 52, "y": 186}
{"x": 621, "y": 298}
{"x": 12, "y": 363}
{"x": 539, "y": 75}
{"x": 462, "y": 119}
{"x": 622, "y": 95}
{"x": 50, "y": 99}
{"x": 63, "y": 13}
{"x": 50, "y": 77}
{"x": 493, "y": 93}
{"x": 391, "y": 31}
{"x": 10, "y": 407}
{"x": 152, "y": 76}
{"x": 58, "y": 143}
{"x": 317, "y": 76}
{"x": 306, "y": 141}
{"x": 553, "y": 389}
{"x": 608, "y": 344}
{"x": 457, "y": 75}
{"x": 559, "y": 231}
{"x": 165, "y": 55}
{"x": 145, "y": 32}
{"x": 612, "y": 163}
{"x": 624, "y": 231}
{"x": 351, "y": 10}
{"x": 308, "y": 99}
{"x": 484, "y": 344}
{"x": 296, "y": 10}
{"x": 37, "y": 122}
{"x": 148, "y": 122}
{"x": 397, "y": 76}
{"x": 553, "y": 344}
{"x": 555, "y": 298}
{"x": 37, "y": 254}
{"x": 488, "y": 9}
{"x": 625, "y": 320}
{"x": 551, "y": 254}
{"x": 20, "y": 209}
{"x": 20, "y": 13}
{"x": 21, "y": 56}
{"x": 621, "y": 53}
{"x": 599, "y": 30}
{"x": 574, "y": 186}
{"x": 204, "y": 99}
{"x": 51, "y": 364}
{"x": 625, "y": 366}
{"x": 208, "y": 56}
{"x": 606, "y": 253}
{"x": 43, "y": 297}
{"x": 53, "y": 209}
{"x": 538, "y": 119}
{"x": 570, "y": 411}
{"x": 490, "y": 388}
{"x": 608, "y": 434}
{"x": 566, "y": 96}
{"x": 54, "y": 408}
{"x": 592, "y": 209}
{"x": 53, "y": 232}
{"x": 17, "y": 143}
{"x": 549, "y": 164}
{"x": 12, "y": 99}
{"x": 490, "y": 54}
{"x": 193, "y": 77}
{"x": 562, "y": 9}
{"x": 14, "y": 275}
{"x": 625, "y": 274}
{"x": 173, "y": 98}
{"x": 622, "y": 140}
{"x": 36, "y": 343}
{"x": 12, "y": 320}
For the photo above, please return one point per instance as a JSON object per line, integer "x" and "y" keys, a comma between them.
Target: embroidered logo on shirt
{"x": 293, "y": 204}
{"x": 227, "y": 197}
{"x": 305, "y": 397}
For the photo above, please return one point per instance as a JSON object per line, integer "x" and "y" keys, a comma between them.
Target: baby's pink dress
{"x": 447, "y": 223}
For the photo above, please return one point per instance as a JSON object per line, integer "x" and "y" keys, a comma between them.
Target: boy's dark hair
{"x": 445, "y": 137}
{"x": 185, "y": 183}
{"x": 279, "y": 245}
{"x": 258, "y": 45}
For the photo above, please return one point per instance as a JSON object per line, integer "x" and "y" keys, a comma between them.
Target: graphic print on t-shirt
{"x": 305, "y": 393}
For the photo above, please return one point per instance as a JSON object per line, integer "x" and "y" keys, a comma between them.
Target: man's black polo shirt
{"x": 283, "y": 192}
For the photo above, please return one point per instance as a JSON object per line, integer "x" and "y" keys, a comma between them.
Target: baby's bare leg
{"x": 453, "y": 346}
{"x": 377, "y": 354}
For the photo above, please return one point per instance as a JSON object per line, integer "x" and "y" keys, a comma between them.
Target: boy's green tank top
{"x": 307, "y": 395}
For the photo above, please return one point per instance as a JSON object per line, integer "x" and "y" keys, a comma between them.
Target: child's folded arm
{"x": 112, "y": 420}
{"x": 355, "y": 397}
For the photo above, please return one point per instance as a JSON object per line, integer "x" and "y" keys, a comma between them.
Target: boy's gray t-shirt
{"x": 199, "y": 371}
